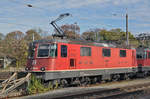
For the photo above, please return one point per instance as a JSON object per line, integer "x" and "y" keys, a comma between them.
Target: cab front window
{"x": 43, "y": 50}
{"x": 47, "y": 50}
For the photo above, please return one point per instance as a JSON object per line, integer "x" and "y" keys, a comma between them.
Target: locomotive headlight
{"x": 42, "y": 68}
{"x": 27, "y": 69}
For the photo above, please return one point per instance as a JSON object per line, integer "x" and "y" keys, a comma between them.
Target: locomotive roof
{"x": 73, "y": 41}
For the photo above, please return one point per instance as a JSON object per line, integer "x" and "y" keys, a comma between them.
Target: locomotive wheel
{"x": 82, "y": 80}
{"x": 126, "y": 77}
{"x": 115, "y": 77}
{"x": 94, "y": 80}
{"x": 76, "y": 82}
{"x": 145, "y": 73}
{"x": 55, "y": 84}
{"x": 63, "y": 83}
{"x": 87, "y": 80}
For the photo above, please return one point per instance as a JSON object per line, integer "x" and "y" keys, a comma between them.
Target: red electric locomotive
{"x": 67, "y": 59}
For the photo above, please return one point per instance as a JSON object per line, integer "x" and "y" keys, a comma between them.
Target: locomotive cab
{"x": 41, "y": 56}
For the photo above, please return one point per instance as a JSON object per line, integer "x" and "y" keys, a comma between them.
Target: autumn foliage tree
{"x": 71, "y": 30}
{"x": 1, "y": 41}
{"x": 30, "y": 34}
{"x": 15, "y": 47}
{"x": 114, "y": 35}
{"x": 11, "y": 42}
{"x": 1, "y": 36}
{"x": 92, "y": 34}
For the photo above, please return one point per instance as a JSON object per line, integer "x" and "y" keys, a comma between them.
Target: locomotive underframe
{"x": 52, "y": 75}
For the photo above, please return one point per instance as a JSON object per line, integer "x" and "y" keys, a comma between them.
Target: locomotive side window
{"x": 106, "y": 52}
{"x": 122, "y": 53}
{"x": 63, "y": 51}
{"x": 85, "y": 51}
{"x": 53, "y": 50}
{"x": 43, "y": 50}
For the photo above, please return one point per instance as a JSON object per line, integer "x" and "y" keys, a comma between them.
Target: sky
{"x": 88, "y": 14}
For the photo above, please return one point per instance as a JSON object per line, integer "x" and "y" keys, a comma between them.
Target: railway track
{"x": 118, "y": 90}
{"x": 115, "y": 93}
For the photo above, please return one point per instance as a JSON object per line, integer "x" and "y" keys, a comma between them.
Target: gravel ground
{"x": 144, "y": 97}
{"x": 70, "y": 90}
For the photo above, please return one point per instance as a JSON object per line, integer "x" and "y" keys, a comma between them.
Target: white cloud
{"x": 69, "y": 3}
{"x": 81, "y": 3}
{"x": 143, "y": 25}
{"x": 124, "y": 2}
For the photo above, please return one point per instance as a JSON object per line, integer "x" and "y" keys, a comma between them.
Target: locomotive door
{"x": 72, "y": 58}
{"x": 106, "y": 56}
{"x": 133, "y": 58}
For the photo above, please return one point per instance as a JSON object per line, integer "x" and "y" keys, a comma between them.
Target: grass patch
{"x": 36, "y": 86}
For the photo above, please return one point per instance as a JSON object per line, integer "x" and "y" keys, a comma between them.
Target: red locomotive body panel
{"x": 69, "y": 59}
{"x": 91, "y": 59}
